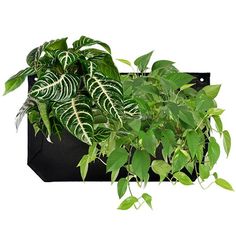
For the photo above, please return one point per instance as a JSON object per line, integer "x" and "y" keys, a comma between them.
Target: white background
{"x": 198, "y": 35}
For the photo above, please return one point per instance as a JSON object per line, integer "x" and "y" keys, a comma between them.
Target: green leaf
{"x": 16, "y": 80}
{"x": 55, "y": 88}
{"x": 77, "y": 119}
{"x": 141, "y": 163}
{"x": 186, "y": 86}
{"x": 124, "y": 61}
{"x": 218, "y": 122}
{"x": 54, "y": 45}
{"x": 101, "y": 134}
{"x": 213, "y": 151}
{"x": 142, "y": 61}
{"x": 193, "y": 141}
{"x": 33, "y": 57}
{"x": 204, "y": 171}
{"x": 161, "y": 168}
{"x": 168, "y": 141}
{"x": 224, "y": 184}
{"x": 187, "y": 117}
{"x": 127, "y": 203}
{"x": 66, "y": 58}
{"x": 86, "y": 41}
{"x": 131, "y": 109}
{"x": 148, "y": 199}
{"x": 211, "y": 90}
{"x": 135, "y": 125}
{"x": 161, "y": 64}
{"x": 107, "y": 93}
{"x": 45, "y": 118}
{"x": 114, "y": 175}
{"x": 116, "y": 159}
{"x": 180, "y": 159}
{"x": 122, "y": 187}
{"x": 226, "y": 141}
{"x": 179, "y": 79}
{"x": 83, "y": 164}
{"x": 215, "y": 111}
{"x": 149, "y": 141}
{"x": 183, "y": 178}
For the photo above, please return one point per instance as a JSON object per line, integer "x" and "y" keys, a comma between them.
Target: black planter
{"x": 57, "y": 161}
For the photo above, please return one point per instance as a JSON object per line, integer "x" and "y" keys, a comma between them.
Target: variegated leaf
{"x": 101, "y": 134}
{"x": 55, "y": 88}
{"x": 107, "y": 93}
{"x": 85, "y": 41}
{"x": 33, "y": 57}
{"x": 66, "y": 58}
{"x": 131, "y": 109}
{"x": 76, "y": 116}
{"x": 29, "y": 103}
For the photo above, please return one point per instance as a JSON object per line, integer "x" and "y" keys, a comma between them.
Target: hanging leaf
{"x": 127, "y": 203}
{"x": 218, "y": 122}
{"x": 180, "y": 159}
{"x": 193, "y": 141}
{"x": 66, "y": 58}
{"x": 142, "y": 61}
{"x": 183, "y": 178}
{"x": 76, "y": 117}
{"x": 213, "y": 151}
{"x": 131, "y": 109}
{"x": 122, "y": 187}
{"x": 224, "y": 184}
{"x": 107, "y": 93}
{"x": 16, "y": 80}
{"x": 55, "y": 88}
{"x": 148, "y": 199}
{"x": 125, "y": 62}
{"x": 32, "y": 58}
{"x": 204, "y": 171}
{"x": 226, "y": 141}
{"x": 149, "y": 141}
{"x": 161, "y": 168}
{"x": 86, "y": 41}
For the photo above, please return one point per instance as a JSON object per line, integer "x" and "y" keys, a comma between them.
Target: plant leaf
{"x": 183, "y": 178}
{"x": 180, "y": 159}
{"x": 131, "y": 109}
{"x": 84, "y": 164}
{"x": 213, "y": 151}
{"x": 101, "y": 134}
{"x": 122, "y": 187}
{"x": 224, "y": 184}
{"x": 215, "y": 111}
{"x": 218, "y": 122}
{"x": 226, "y": 141}
{"x": 54, "y": 45}
{"x": 204, "y": 171}
{"x": 179, "y": 79}
{"x": 142, "y": 61}
{"x": 55, "y": 88}
{"x": 124, "y": 61}
{"x": 161, "y": 168}
{"x": 148, "y": 199}
{"x": 86, "y": 41}
{"x": 161, "y": 64}
{"x": 127, "y": 203}
{"x": 149, "y": 141}
{"x": 16, "y": 80}
{"x": 116, "y": 159}
{"x": 141, "y": 164}
{"x": 212, "y": 90}
{"x": 66, "y": 58}
{"x": 135, "y": 125}
{"x": 187, "y": 117}
{"x": 76, "y": 117}
{"x": 193, "y": 141}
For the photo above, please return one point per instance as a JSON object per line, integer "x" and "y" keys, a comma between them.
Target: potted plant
{"x": 124, "y": 119}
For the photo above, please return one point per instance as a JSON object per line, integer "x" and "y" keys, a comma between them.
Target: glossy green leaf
{"x": 128, "y": 203}
{"x": 149, "y": 141}
{"x": 168, "y": 141}
{"x": 187, "y": 117}
{"x": 83, "y": 164}
{"x": 224, "y": 184}
{"x": 211, "y": 90}
{"x": 179, "y": 79}
{"x": 204, "y": 171}
{"x": 218, "y": 122}
{"x": 54, "y": 45}
{"x": 116, "y": 159}
{"x": 213, "y": 151}
{"x": 215, "y": 111}
{"x": 161, "y": 168}
{"x": 142, "y": 61}
{"x": 135, "y": 125}
{"x": 114, "y": 175}
{"x": 226, "y": 141}
{"x": 148, "y": 199}
{"x": 193, "y": 141}
{"x": 183, "y": 178}
{"x": 186, "y": 86}
{"x": 141, "y": 163}
{"x": 101, "y": 134}
{"x": 131, "y": 109}
{"x": 124, "y": 61}
{"x": 180, "y": 159}
{"x": 66, "y": 58}
{"x": 122, "y": 187}
{"x": 161, "y": 64}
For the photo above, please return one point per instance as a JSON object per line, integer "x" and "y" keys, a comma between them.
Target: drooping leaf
{"x": 101, "y": 134}
{"x": 76, "y": 117}
{"x": 127, "y": 203}
{"x": 213, "y": 151}
{"x": 122, "y": 187}
{"x": 193, "y": 141}
{"x": 226, "y": 141}
{"x": 148, "y": 199}
{"x": 149, "y": 141}
{"x": 212, "y": 90}
{"x": 187, "y": 117}
{"x": 23, "y": 110}
{"x": 183, "y": 178}
{"x": 116, "y": 159}
{"x": 131, "y": 109}
{"x": 215, "y": 111}
{"x": 83, "y": 165}
{"x": 124, "y": 61}
{"x": 180, "y": 159}
{"x": 86, "y": 41}
{"x": 142, "y": 61}
{"x": 55, "y": 88}
{"x": 16, "y": 80}
{"x": 141, "y": 163}
{"x": 204, "y": 171}
{"x": 107, "y": 93}
{"x": 66, "y": 58}
{"x": 161, "y": 168}
{"x": 32, "y": 58}
{"x": 218, "y": 122}
{"x": 168, "y": 141}
{"x": 114, "y": 175}
{"x": 224, "y": 184}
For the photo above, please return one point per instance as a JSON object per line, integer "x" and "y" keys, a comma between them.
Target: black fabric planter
{"x": 57, "y": 161}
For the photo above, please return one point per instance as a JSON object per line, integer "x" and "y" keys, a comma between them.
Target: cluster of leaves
{"x": 124, "y": 118}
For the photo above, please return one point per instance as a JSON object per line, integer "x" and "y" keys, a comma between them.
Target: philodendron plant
{"x": 124, "y": 118}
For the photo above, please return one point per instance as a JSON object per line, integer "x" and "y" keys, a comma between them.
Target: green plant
{"x": 124, "y": 118}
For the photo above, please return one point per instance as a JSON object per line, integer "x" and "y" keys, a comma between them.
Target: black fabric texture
{"x": 57, "y": 161}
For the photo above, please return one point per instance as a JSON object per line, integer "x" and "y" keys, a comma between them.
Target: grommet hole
{"x": 202, "y": 80}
